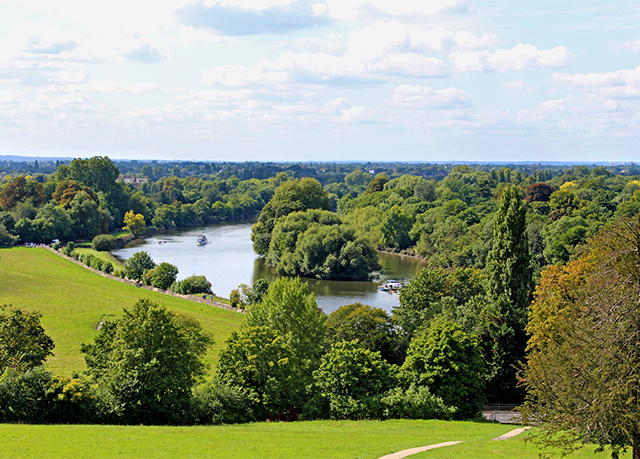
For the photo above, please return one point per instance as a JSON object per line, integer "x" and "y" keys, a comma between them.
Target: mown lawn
{"x": 73, "y": 300}
{"x": 298, "y": 440}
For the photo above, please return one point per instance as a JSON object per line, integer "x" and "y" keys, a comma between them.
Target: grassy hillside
{"x": 299, "y": 440}
{"x": 73, "y": 300}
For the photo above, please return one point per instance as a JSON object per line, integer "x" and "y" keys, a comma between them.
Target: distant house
{"x": 134, "y": 180}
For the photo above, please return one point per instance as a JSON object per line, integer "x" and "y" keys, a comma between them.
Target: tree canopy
{"x": 582, "y": 371}
{"x": 146, "y": 363}
{"x": 23, "y": 342}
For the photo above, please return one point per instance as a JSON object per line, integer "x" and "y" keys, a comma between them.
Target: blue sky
{"x": 377, "y": 80}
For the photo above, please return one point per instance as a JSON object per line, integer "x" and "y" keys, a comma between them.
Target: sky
{"x": 321, "y": 80}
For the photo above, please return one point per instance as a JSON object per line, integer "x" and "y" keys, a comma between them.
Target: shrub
{"x": 236, "y": 299}
{"x": 103, "y": 242}
{"x": 107, "y": 267}
{"x": 192, "y": 285}
{"x": 97, "y": 263}
{"x": 55, "y": 246}
{"x": 70, "y": 247}
{"x": 220, "y": 403}
{"x": 87, "y": 259}
{"x": 24, "y": 396}
{"x": 414, "y": 403}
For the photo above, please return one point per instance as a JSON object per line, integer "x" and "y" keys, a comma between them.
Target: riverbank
{"x": 196, "y": 298}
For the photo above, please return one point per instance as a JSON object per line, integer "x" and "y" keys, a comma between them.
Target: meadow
{"x": 73, "y": 300}
{"x": 297, "y": 440}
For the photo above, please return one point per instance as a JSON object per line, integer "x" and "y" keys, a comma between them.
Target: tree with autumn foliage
{"x": 582, "y": 371}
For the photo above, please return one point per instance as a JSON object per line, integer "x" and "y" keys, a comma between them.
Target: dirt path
{"x": 409, "y": 452}
{"x": 512, "y": 433}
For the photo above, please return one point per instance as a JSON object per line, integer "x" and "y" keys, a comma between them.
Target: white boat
{"x": 202, "y": 240}
{"x": 391, "y": 286}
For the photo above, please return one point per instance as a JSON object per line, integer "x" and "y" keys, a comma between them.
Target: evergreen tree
{"x": 509, "y": 279}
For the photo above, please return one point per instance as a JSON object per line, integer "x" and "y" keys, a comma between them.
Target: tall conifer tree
{"x": 509, "y": 278}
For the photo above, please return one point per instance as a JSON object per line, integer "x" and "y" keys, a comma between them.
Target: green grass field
{"x": 73, "y": 300}
{"x": 298, "y": 440}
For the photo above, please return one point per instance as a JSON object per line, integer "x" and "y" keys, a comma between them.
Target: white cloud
{"x": 629, "y": 45}
{"x": 353, "y": 9}
{"x": 360, "y": 115}
{"x": 619, "y": 84}
{"x": 9, "y": 96}
{"x": 514, "y": 84}
{"x": 425, "y": 97}
{"x": 521, "y": 56}
{"x": 111, "y": 86}
{"x": 380, "y": 50}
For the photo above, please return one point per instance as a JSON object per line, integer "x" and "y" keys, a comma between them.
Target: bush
{"x": 55, "y": 246}
{"x": 107, "y": 267}
{"x": 220, "y": 403}
{"x": 70, "y": 247}
{"x": 97, "y": 263}
{"x": 103, "y": 242}
{"x": 192, "y": 285}
{"x": 414, "y": 403}
{"x": 87, "y": 259}
{"x": 236, "y": 299}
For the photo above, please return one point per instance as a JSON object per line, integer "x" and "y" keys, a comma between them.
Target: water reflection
{"x": 228, "y": 260}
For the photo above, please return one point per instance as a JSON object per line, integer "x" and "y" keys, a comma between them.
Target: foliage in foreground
{"x": 582, "y": 373}
{"x": 146, "y": 363}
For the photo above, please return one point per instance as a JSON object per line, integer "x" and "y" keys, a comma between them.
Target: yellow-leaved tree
{"x": 135, "y": 223}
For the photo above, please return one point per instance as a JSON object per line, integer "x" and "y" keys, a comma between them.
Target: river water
{"x": 228, "y": 260}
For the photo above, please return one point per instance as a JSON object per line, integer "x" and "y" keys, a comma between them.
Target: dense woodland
{"x": 496, "y": 238}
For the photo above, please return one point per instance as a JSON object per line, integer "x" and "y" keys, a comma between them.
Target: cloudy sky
{"x": 380, "y": 80}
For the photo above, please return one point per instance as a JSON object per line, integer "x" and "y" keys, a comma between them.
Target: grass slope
{"x": 299, "y": 440}
{"x": 73, "y": 300}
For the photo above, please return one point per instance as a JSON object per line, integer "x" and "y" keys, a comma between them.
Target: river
{"x": 228, "y": 260}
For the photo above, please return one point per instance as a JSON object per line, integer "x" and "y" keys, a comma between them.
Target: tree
{"x": 23, "y": 342}
{"x": 395, "y": 228}
{"x": 509, "y": 280}
{"x": 370, "y": 326}
{"x": 432, "y": 291}
{"x": 18, "y": 190}
{"x": 146, "y": 362}
{"x": 449, "y": 362}
{"x": 540, "y": 192}
{"x": 192, "y": 285}
{"x": 98, "y": 173}
{"x": 290, "y": 309}
{"x": 259, "y": 360}
{"x": 86, "y": 217}
{"x": 135, "y": 223}
{"x": 163, "y": 275}
{"x": 582, "y": 370}
{"x": 103, "y": 242}
{"x": 331, "y": 252}
{"x": 258, "y": 291}
{"x": 349, "y": 378}
{"x": 289, "y": 197}
{"x": 136, "y": 266}
{"x": 377, "y": 184}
